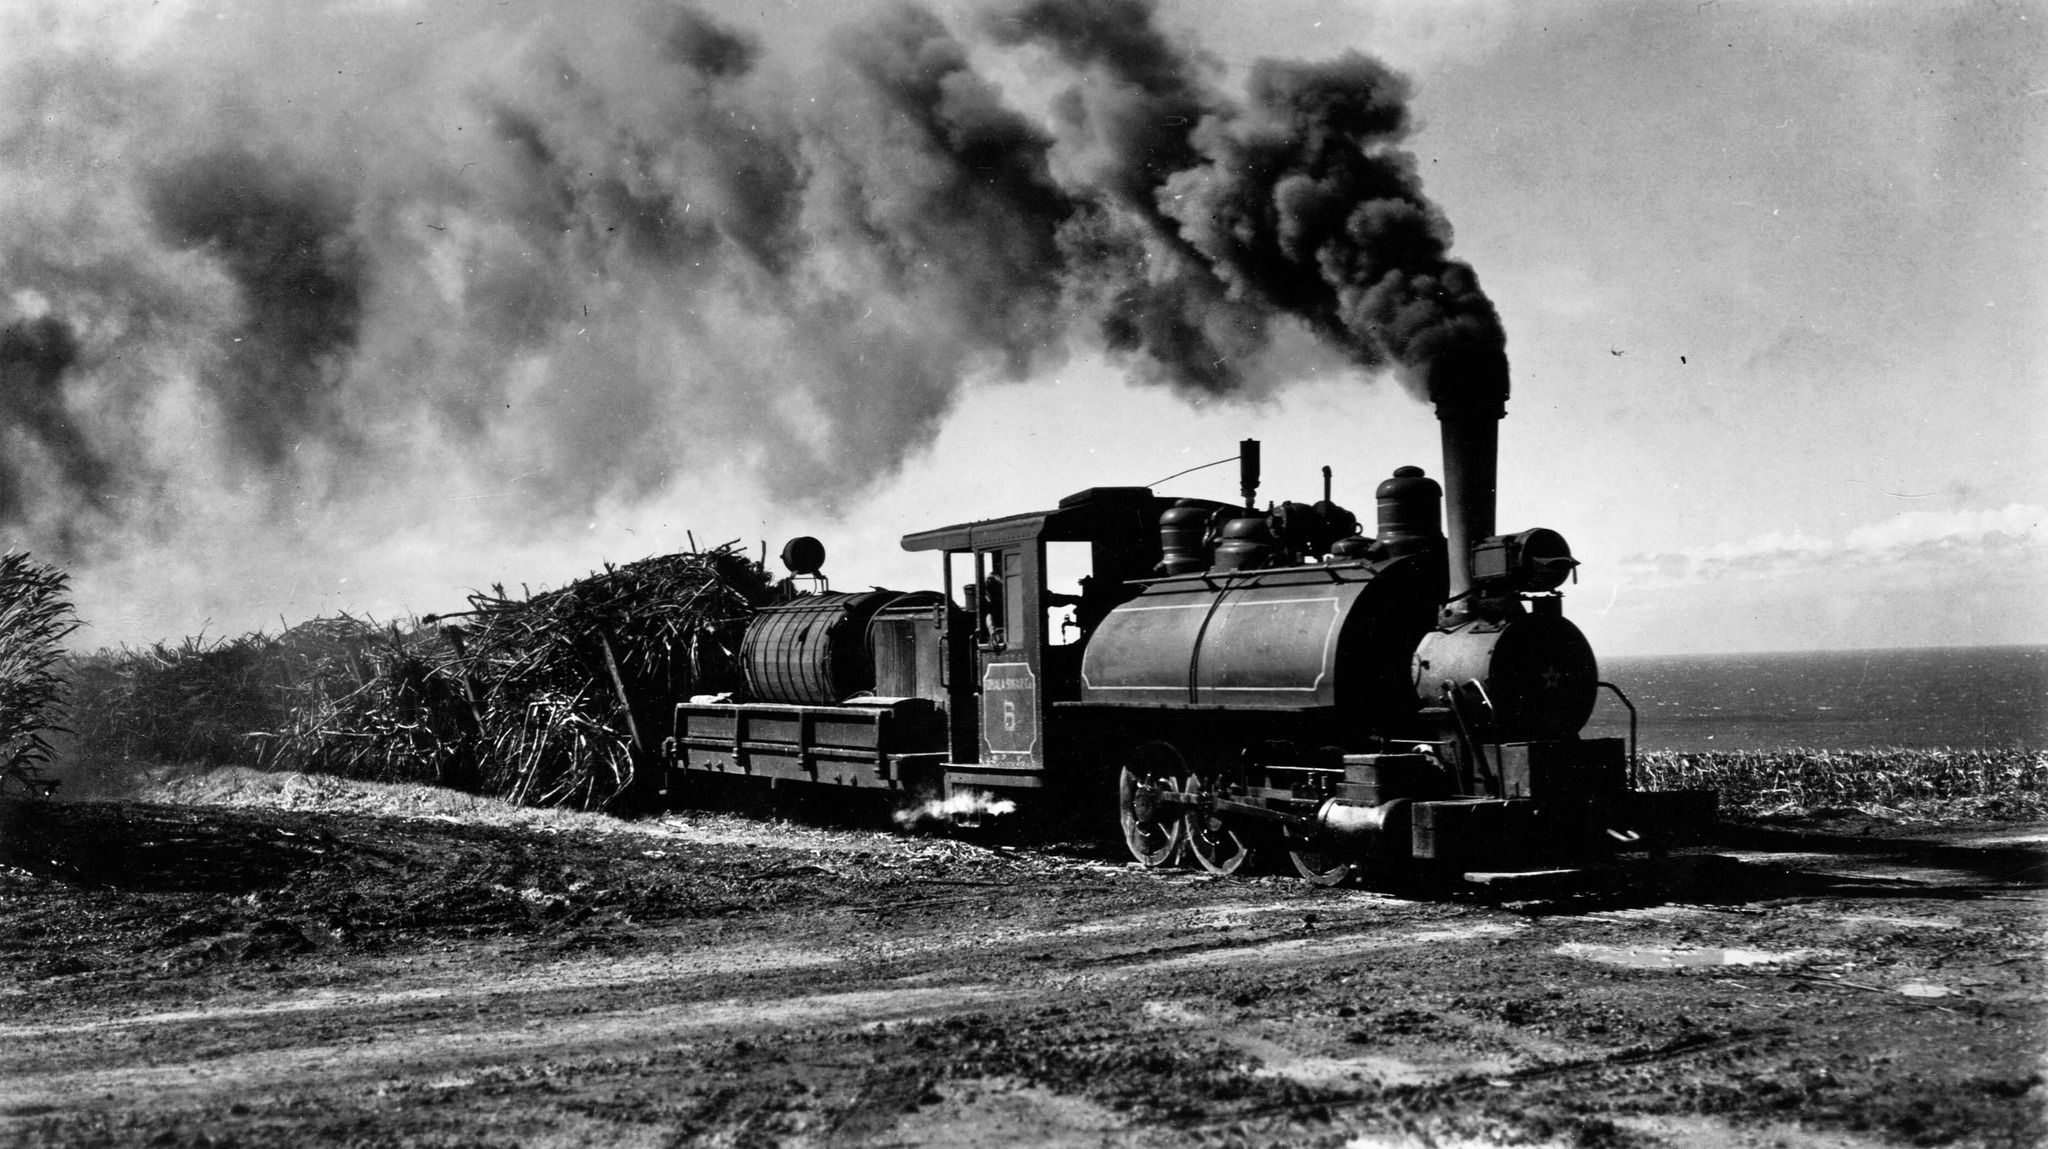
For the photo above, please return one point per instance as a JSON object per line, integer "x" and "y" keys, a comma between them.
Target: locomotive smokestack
{"x": 1471, "y": 438}
{"x": 1470, "y": 390}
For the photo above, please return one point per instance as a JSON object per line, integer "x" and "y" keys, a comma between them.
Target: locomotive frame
{"x": 1238, "y": 681}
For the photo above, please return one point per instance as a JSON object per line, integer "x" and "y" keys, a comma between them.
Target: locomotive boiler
{"x": 1220, "y": 679}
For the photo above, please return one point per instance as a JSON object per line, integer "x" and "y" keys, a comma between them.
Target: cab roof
{"x": 1080, "y": 516}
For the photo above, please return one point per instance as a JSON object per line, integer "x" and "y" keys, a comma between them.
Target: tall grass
{"x": 2003, "y": 782}
{"x": 194, "y": 702}
{"x": 35, "y": 618}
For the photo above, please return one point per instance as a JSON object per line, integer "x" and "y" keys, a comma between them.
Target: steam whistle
{"x": 1248, "y": 471}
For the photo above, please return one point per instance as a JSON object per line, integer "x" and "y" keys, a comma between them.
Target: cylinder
{"x": 814, "y": 650}
{"x": 1355, "y": 828}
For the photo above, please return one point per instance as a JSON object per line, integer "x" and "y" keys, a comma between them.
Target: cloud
{"x": 1912, "y": 547}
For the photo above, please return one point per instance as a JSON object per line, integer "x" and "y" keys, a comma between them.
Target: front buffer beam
{"x": 1492, "y": 835}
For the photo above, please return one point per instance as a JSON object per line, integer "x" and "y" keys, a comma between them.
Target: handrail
{"x": 1635, "y": 774}
{"x": 1479, "y": 688}
{"x": 1499, "y": 780}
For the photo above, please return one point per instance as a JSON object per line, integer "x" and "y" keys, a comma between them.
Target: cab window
{"x": 989, "y": 586}
{"x": 1067, "y": 564}
{"x": 1002, "y": 597}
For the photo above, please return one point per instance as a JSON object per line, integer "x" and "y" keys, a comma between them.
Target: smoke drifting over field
{"x": 268, "y": 262}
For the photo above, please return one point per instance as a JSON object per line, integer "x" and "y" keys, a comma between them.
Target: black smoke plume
{"x": 287, "y": 244}
{"x": 328, "y": 269}
{"x": 1296, "y": 201}
{"x": 1127, "y": 127}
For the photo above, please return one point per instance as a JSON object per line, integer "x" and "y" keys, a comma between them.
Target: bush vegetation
{"x": 2010, "y": 782}
{"x": 35, "y": 618}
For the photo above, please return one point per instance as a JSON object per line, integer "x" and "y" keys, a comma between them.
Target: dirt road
{"x": 179, "y": 975}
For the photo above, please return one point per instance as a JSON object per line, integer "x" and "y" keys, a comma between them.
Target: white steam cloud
{"x": 969, "y": 806}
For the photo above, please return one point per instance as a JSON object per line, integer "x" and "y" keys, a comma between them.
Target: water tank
{"x": 1295, "y": 639}
{"x": 814, "y": 650}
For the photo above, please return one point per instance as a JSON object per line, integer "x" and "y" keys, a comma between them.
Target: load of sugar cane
{"x": 551, "y": 699}
{"x": 557, "y": 698}
{"x": 569, "y": 690}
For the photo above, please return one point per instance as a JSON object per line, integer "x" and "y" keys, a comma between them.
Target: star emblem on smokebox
{"x": 1552, "y": 678}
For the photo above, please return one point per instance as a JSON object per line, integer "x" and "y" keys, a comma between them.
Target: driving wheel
{"x": 1217, "y": 848}
{"x": 1317, "y": 863}
{"x": 1151, "y": 830}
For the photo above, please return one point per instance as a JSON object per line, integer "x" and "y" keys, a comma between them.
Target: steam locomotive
{"x": 1225, "y": 680}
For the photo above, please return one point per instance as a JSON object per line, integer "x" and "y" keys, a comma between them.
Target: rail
{"x": 1635, "y": 774}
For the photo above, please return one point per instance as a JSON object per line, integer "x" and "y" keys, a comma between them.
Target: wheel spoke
{"x": 1217, "y": 848}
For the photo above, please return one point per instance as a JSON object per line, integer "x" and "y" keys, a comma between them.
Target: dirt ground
{"x": 275, "y": 976}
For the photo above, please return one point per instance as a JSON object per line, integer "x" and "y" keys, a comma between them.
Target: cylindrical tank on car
{"x": 814, "y": 650}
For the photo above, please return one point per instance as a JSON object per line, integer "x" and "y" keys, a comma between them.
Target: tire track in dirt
{"x": 337, "y": 1066}
{"x": 1095, "y": 954}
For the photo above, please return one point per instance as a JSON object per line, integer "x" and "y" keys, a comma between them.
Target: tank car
{"x": 1222, "y": 680}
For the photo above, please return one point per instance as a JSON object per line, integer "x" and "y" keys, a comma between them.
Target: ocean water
{"x": 1987, "y": 697}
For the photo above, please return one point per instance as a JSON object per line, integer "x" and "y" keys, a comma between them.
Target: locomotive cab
{"x": 1030, "y": 591}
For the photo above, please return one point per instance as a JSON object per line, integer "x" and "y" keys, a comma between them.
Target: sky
{"x": 310, "y": 308}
